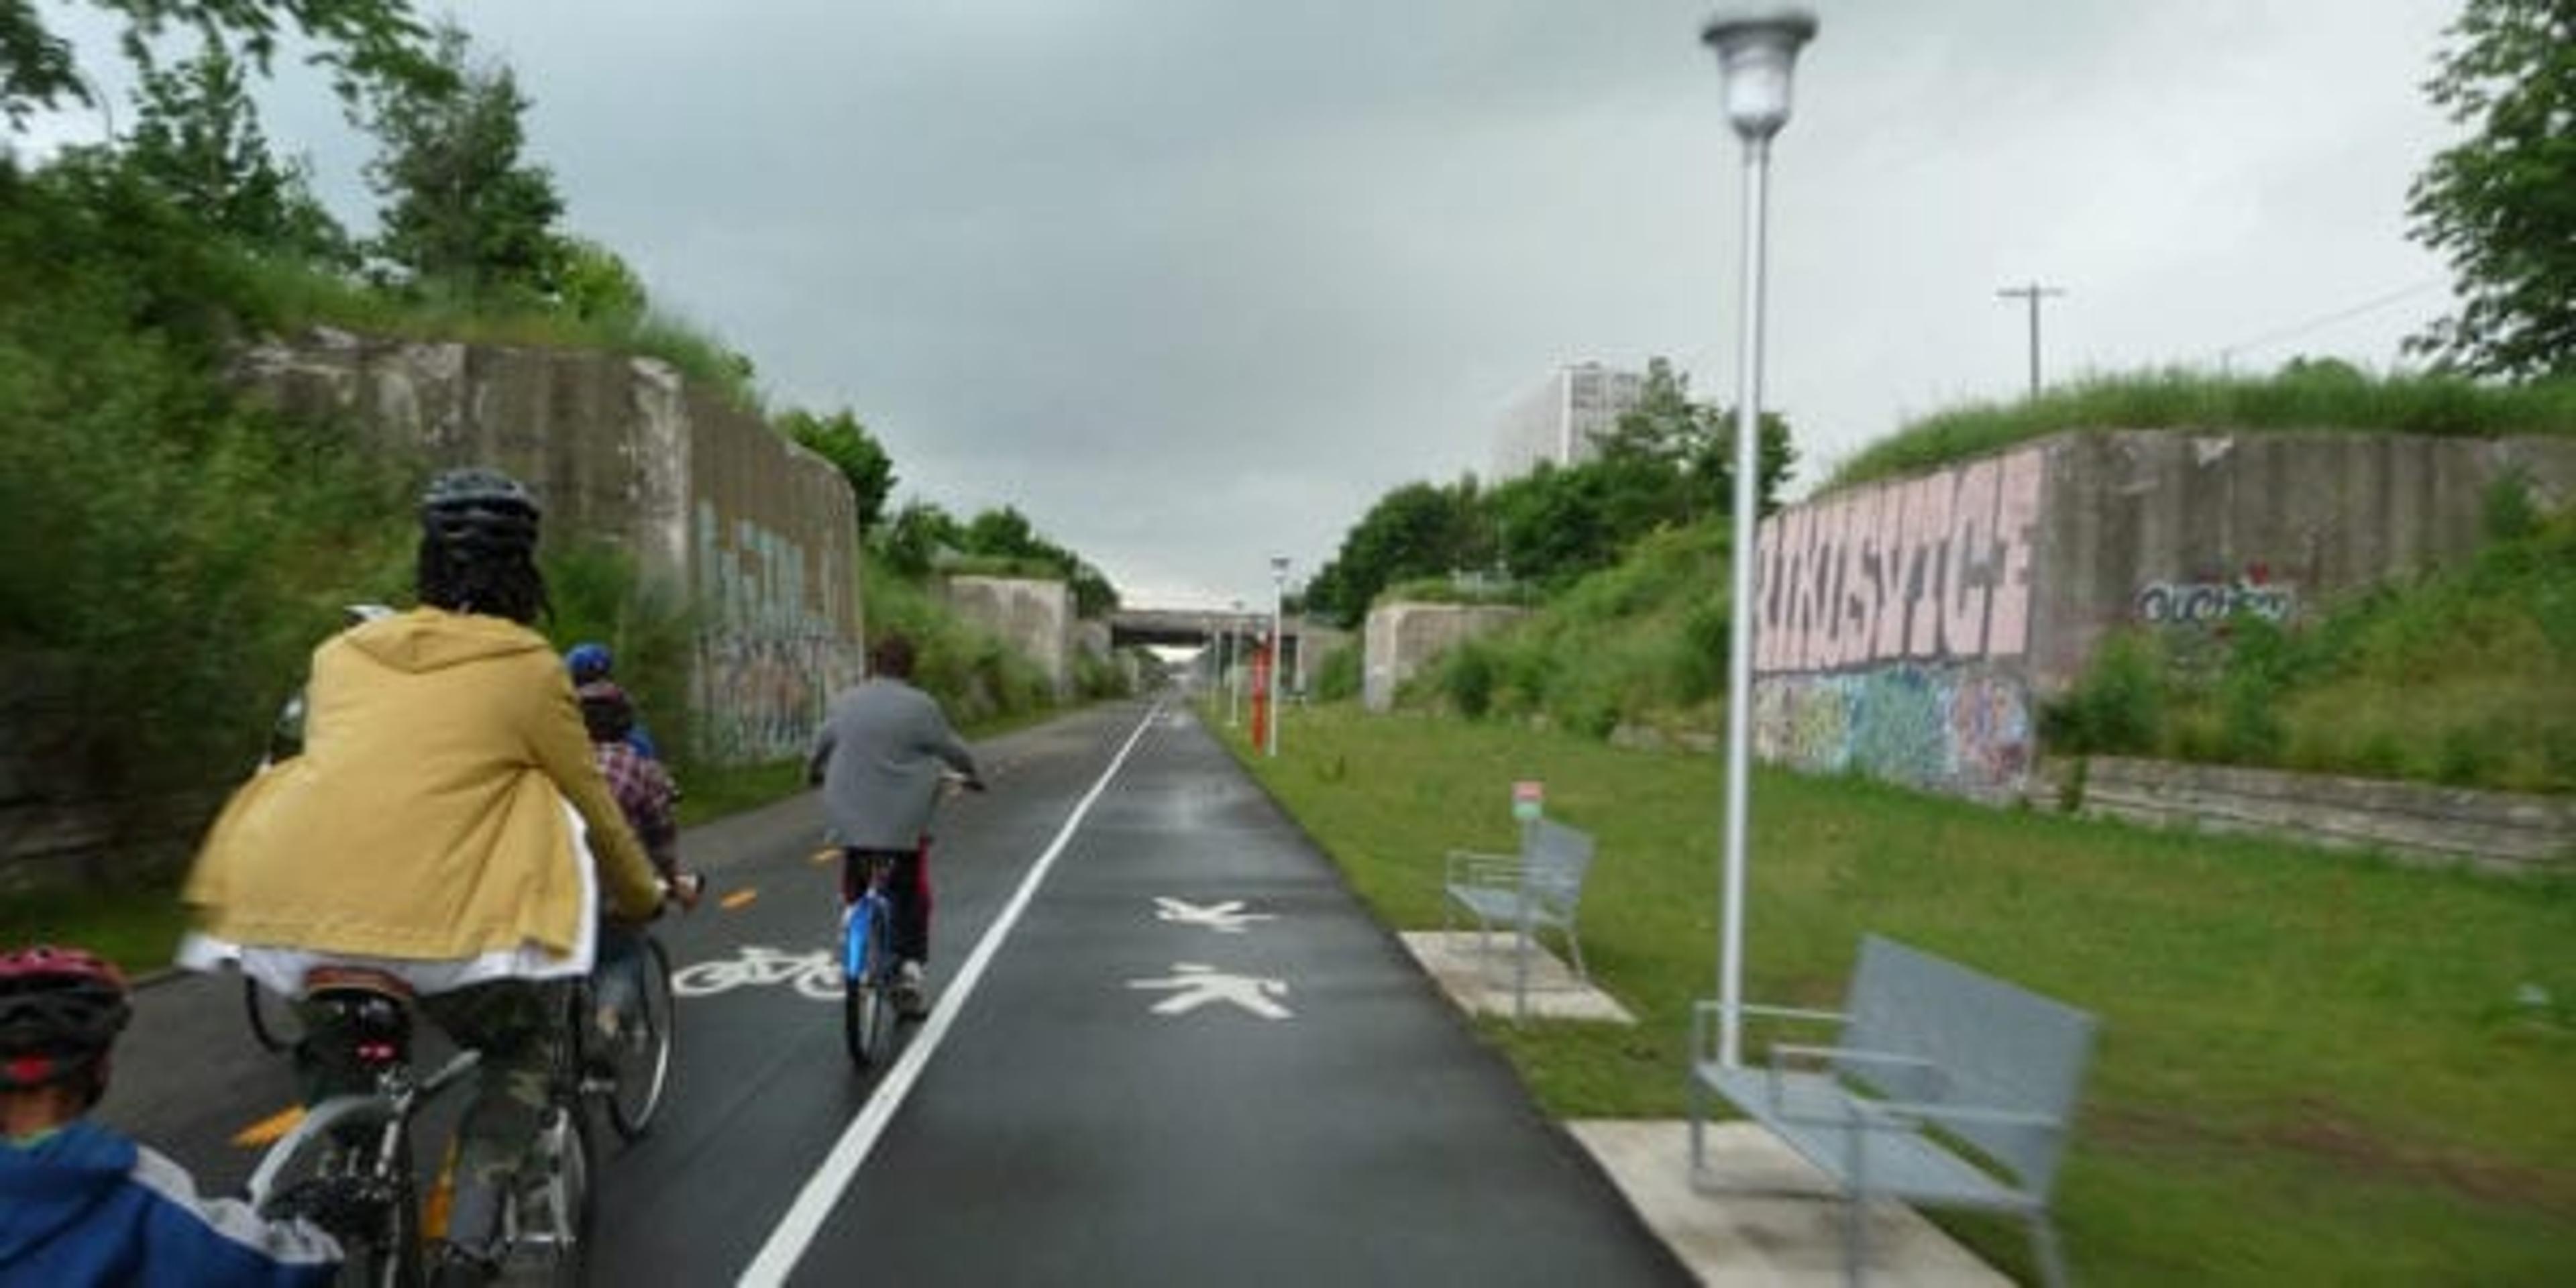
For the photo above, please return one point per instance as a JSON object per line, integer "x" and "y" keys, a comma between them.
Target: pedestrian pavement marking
{"x": 739, "y": 899}
{"x": 1226, "y": 918}
{"x": 267, "y": 1130}
{"x": 1194, "y": 985}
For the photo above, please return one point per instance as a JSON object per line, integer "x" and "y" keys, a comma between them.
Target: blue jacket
{"x": 86, "y": 1206}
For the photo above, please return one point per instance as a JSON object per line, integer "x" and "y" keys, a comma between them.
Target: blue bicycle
{"x": 869, "y": 971}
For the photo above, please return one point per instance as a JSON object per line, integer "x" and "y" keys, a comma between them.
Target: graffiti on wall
{"x": 1954, "y": 729}
{"x": 2213, "y": 599}
{"x": 769, "y": 656}
{"x": 1931, "y": 569}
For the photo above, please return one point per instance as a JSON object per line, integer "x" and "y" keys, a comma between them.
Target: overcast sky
{"x": 1194, "y": 282}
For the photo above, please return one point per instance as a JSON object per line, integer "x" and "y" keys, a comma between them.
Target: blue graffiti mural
{"x": 1948, "y": 728}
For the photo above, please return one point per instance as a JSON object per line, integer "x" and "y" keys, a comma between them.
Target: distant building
{"x": 1557, "y": 422}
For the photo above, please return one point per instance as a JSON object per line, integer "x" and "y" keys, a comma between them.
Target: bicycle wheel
{"x": 272, "y": 1018}
{"x": 548, "y": 1220}
{"x": 639, "y": 1052}
{"x": 866, "y": 1011}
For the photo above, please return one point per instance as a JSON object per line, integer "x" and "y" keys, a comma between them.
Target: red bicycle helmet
{"x": 60, "y": 1010}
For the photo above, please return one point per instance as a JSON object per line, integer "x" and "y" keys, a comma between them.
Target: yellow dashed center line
{"x": 825, "y": 855}
{"x": 739, "y": 898}
{"x": 267, "y": 1130}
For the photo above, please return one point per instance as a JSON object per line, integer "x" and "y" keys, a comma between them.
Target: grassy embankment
{"x": 2313, "y": 1069}
{"x": 175, "y": 548}
{"x": 2312, "y": 396}
{"x": 2464, "y": 676}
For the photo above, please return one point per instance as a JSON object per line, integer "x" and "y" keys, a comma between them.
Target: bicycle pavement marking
{"x": 804, "y": 1218}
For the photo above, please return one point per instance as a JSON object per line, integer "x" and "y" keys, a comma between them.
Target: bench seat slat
{"x": 1895, "y": 1162}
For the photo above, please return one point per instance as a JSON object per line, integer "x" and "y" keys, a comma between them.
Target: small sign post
{"x": 1529, "y": 801}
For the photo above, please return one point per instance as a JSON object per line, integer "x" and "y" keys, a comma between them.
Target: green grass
{"x": 138, "y": 929}
{"x": 2314, "y": 1069}
{"x": 286, "y": 295}
{"x": 2318, "y": 396}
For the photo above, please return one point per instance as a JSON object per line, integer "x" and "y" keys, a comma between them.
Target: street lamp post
{"x": 1755, "y": 54}
{"x": 1278, "y": 640}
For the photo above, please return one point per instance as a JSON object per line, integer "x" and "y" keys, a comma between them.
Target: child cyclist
{"x": 81, "y": 1204}
{"x": 645, "y": 794}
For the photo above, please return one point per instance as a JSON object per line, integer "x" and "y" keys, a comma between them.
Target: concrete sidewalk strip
{"x": 1765, "y": 1239}
{"x": 1478, "y": 978}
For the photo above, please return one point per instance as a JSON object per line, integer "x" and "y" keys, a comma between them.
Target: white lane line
{"x": 823, "y": 1189}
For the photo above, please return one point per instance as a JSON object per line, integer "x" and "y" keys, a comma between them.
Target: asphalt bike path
{"x": 1195, "y": 1059}
{"x": 760, "y": 1085}
{"x": 1102, "y": 1095}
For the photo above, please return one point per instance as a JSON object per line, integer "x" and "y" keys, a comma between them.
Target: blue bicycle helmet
{"x": 588, "y": 661}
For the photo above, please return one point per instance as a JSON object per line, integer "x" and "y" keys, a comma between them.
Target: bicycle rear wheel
{"x": 867, "y": 1012}
{"x": 639, "y": 1052}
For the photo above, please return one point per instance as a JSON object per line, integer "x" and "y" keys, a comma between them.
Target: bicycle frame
{"x": 399, "y": 1095}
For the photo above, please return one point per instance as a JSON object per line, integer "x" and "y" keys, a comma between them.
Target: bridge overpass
{"x": 1203, "y": 627}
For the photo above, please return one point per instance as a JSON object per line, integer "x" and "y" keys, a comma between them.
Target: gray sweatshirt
{"x": 878, "y": 756}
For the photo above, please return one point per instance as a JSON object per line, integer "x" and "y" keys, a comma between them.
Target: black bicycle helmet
{"x": 60, "y": 1010}
{"x": 478, "y": 513}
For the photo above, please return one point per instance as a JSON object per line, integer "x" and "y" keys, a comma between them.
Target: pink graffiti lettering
{"x": 1930, "y": 568}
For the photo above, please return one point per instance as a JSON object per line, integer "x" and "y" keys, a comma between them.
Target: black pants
{"x": 907, "y": 887}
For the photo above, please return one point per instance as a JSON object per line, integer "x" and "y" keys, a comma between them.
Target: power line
{"x": 2296, "y": 329}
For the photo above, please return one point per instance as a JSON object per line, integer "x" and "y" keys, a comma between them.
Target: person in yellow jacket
{"x": 445, "y": 824}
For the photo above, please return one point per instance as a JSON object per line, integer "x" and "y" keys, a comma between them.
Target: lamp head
{"x": 1756, "y": 53}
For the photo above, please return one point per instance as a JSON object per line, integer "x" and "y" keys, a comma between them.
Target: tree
{"x": 461, "y": 208}
{"x": 847, "y": 444}
{"x": 364, "y": 42}
{"x": 595, "y": 284}
{"x": 912, "y": 540}
{"x": 1418, "y": 530}
{"x": 197, "y": 142}
{"x": 2501, "y": 205}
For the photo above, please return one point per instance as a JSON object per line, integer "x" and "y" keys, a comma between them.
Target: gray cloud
{"x": 1192, "y": 283}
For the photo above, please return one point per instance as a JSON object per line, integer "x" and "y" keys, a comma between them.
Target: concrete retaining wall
{"x": 758, "y": 533}
{"x": 1400, "y": 639}
{"x": 1034, "y": 617}
{"x": 1909, "y": 629}
{"x": 2498, "y": 831}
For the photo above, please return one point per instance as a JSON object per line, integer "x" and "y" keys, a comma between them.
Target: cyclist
{"x": 286, "y": 736}
{"x": 591, "y": 663}
{"x": 444, "y": 826}
{"x": 878, "y": 757}
{"x": 81, "y": 1204}
{"x": 645, "y": 793}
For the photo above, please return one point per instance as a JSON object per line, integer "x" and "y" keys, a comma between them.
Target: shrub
{"x": 1467, "y": 678}
{"x": 2117, "y": 705}
{"x": 599, "y": 594}
{"x": 1338, "y": 676}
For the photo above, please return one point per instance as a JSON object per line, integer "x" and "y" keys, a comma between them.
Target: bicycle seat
{"x": 374, "y": 1008}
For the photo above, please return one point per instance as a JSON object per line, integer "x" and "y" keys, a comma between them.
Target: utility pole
{"x": 2033, "y": 293}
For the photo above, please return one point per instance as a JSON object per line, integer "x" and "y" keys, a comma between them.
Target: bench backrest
{"x": 2000, "y": 1046}
{"x": 1554, "y": 858}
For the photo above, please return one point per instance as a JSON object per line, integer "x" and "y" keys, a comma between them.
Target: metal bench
{"x": 1538, "y": 889}
{"x": 1944, "y": 1087}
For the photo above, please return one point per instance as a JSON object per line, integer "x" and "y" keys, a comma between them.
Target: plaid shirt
{"x": 643, "y": 790}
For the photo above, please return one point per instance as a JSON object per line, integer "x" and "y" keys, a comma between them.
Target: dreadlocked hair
{"x": 469, "y": 582}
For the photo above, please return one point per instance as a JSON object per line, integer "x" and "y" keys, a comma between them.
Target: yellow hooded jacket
{"x": 424, "y": 819}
